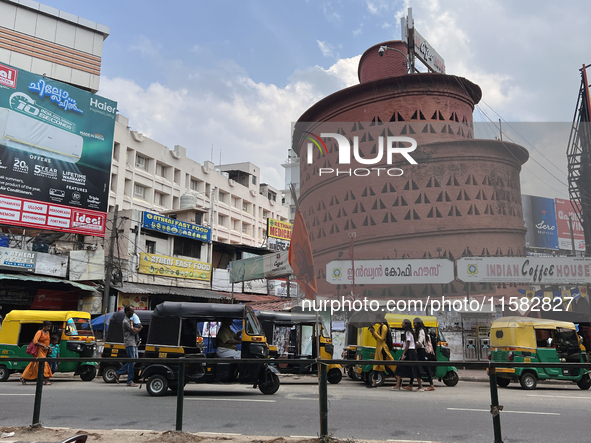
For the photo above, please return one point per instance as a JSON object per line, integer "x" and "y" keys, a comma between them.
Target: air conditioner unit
{"x": 27, "y": 134}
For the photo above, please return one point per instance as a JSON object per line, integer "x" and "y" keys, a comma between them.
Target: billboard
{"x": 56, "y": 145}
{"x": 171, "y": 226}
{"x": 564, "y": 210}
{"x": 539, "y": 215}
{"x": 259, "y": 267}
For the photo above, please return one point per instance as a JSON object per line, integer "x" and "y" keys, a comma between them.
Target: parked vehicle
{"x": 73, "y": 328}
{"x": 114, "y": 346}
{"x": 174, "y": 334}
{"x": 531, "y": 340}
{"x": 295, "y": 330}
{"x": 350, "y": 351}
{"x": 366, "y": 345}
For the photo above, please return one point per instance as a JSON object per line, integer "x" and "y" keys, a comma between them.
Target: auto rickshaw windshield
{"x": 567, "y": 337}
{"x": 78, "y": 326}
{"x": 253, "y": 327}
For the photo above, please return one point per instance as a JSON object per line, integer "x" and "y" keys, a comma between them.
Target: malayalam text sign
{"x": 549, "y": 270}
{"x": 56, "y": 144}
{"x": 391, "y": 272}
{"x": 164, "y": 266}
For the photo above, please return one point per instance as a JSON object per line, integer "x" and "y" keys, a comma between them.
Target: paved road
{"x": 548, "y": 414}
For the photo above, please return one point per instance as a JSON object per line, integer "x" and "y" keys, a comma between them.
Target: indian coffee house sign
{"x": 172, "y": 226}
{"x": 391, "y": 272}
{"x": 532, "y": 270}
{"x": 422, "y": 49}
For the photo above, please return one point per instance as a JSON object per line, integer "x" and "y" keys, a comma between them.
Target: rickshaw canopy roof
{"x": 287, "y": 317}
{"x": 205, "y": 311}
{"x": 41, "y": 316}
{"x": 536, "y": 323}
{"x": 395, "y": 320}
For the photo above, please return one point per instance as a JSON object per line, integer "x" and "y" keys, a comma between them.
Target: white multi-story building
{"x": 230, "y": 199}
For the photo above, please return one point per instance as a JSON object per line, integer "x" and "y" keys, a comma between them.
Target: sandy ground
{"x": 54, "y": 435}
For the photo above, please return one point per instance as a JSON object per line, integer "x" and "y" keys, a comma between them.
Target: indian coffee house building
{"x": 462, "y": 197}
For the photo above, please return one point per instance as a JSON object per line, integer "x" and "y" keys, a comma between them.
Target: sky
{"x": 234, "y": 75}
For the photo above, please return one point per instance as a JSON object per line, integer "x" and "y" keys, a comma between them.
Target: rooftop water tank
{"x": 188, "y": 201}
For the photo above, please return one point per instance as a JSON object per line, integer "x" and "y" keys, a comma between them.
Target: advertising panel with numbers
{"x": 56, "y": 144}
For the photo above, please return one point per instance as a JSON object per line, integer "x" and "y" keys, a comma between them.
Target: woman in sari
{"x": 42, "y": 340}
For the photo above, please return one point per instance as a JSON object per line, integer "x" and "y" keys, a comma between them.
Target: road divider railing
{"x": 490, "y": 366}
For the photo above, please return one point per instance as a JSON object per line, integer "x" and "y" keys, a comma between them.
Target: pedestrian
{"x": 409, "y": 354}
{"x": 422, "y": 336}
{"x": 42, "y": 340}
{"x": 382, "y": 349}
{"x": 129, "y": 340}
{"x": 54, "y": 352}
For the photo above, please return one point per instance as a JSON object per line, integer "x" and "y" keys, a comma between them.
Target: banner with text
{"x": 264, "y": 266}
{"x": 172, "y": 226}
{"x": 279, "y": 229}
{"x": 564, "y": 210}
{"x": 164, "y": 266}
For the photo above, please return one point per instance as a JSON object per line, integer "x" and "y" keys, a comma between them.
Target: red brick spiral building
{"x": 462, "y": 197}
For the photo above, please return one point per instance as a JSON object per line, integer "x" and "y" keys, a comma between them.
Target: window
{"x": 187, "y": 247}
{"x": 245, "y": 206}
{"x": 150, "y": 247}
{"x": 254, "y": 179}
{"x": 139, "y": 191}
{"x": 161, "y": 170}
{"x": 159, "y": 199}
{"x": 116, "y": 149}
{"x": 141, "y": 162}
{"x": 194, "y": 185}
{"x": 222, "y": 220}
{"x": 236, "y": 225}
{"x": 235, "y": 202}
{"x": 222, "y": 197}
{"x": 245, "y": 228}
{"x": 198, "y": 218}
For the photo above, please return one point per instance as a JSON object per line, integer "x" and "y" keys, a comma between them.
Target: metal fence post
{"x": 495, "y": 409}
{"x": 323, "y": 397}
{"x": 180, "y": 395}
{"x": 38, "y": 392}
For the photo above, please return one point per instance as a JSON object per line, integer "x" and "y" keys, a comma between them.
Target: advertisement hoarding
{"x": 564, "y": 210}
{"x": 164, "y": 266}
{"x": 263, "y": 266}
{"x": 171, "y": 226}
{"x": 56, "y": 145}
{"x": 390, "y": 271}
{"x": 532, "y": 270}
{"x": 539, "y": 215}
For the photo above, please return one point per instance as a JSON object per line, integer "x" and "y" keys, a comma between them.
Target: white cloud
{"x": 145, "y": 46}
{"x": 246, "y": 120}
{"x": 325, "y": 48}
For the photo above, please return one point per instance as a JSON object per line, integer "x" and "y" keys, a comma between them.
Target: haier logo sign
{"x": 388, "y": 145}
{"x": 8, "y": 76}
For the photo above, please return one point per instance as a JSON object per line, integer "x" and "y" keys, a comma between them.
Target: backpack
{"x": 429, "y": 350}
{"x": 389, "y": 342}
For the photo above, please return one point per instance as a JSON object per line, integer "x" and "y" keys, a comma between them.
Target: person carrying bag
{"x": 424, "y": 348}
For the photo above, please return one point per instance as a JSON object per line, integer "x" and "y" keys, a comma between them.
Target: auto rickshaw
{"x": 114, "y": 346}
{"x": 350, "y": 352}
{"x": 366, "y": 345}
{"x": 524, "y": 339}
{"x": 174, "y": 334}
{"x": 290, "y": 330}
{"x": 76, "y": 340}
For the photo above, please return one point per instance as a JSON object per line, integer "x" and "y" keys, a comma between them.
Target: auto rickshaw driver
{"x": 227, "y": 341}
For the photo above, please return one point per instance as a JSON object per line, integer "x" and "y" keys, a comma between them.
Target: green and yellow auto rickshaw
{"x": 533, "y": 340}
{"x": 295, "y": 334}
{"x": 366, "y": 346}
{"x": 76, "y": 340}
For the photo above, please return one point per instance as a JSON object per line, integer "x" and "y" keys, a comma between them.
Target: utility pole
{"x": 352, "y": 236}
{"x": 110, "y": 265}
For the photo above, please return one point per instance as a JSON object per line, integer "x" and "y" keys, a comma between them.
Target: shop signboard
{"x": 137, "y": 301}
{"x": 274, "y": 244}
{"x": 56, "y": 144}
{"x": 539, "y": 215}
{"x": 531, "y": 270}
{"x": 279, "y": 229}
{"x": 564, "y": 210}
{"x": 165, "y": 266}
{"x": 171, "y": 226}
{"x": 18, "y": 259}
{"x": 264, "y": 266}
{"x": 391, "y": 271}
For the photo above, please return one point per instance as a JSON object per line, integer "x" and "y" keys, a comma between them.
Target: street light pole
{"x": 352, "y": 236}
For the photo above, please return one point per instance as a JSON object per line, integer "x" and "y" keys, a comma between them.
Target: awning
{"x": 142, "y": 288}
{"x": 36, "y": 278}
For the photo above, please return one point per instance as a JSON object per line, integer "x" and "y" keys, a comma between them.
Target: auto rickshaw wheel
{"x": 271, "y": 385}
{"x": 528, "y": 381}
{"x": 4, "y": 373}
{"x": 451, "y": 378}
{"x": 109, "y": 374}
{"x": 157, "y": 385}
{"x": 353, "y": 375}
{"x": 503, "y": 382}
{"x": 584, "y": 382}
{"x": 87, "y": 372}
{"x": 334, "y": 376}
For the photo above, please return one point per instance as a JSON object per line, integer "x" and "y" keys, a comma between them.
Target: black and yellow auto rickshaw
{"x": 174, "y": 334}
{"x": 350, "y": 352}
{"x": 114, "y": 346}
{"x": 366, "y": 346}
{"x": 293, "y": 332}
{"x": 76, "y": 340}
{"x": 535, "y": 340}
